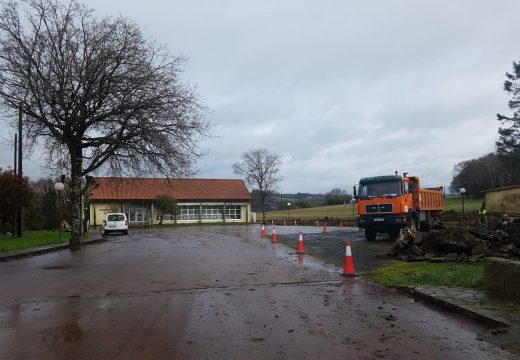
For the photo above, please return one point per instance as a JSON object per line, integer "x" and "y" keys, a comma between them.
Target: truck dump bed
{"x": 429, "y": 199}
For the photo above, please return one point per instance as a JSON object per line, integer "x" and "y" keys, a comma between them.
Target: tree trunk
{"x": 75, "y": 198}
{"x": 262, "y": 204}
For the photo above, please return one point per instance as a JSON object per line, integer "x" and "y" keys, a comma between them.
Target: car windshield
{"x": 381, "y": 189}
{"x": 116, "y": 217}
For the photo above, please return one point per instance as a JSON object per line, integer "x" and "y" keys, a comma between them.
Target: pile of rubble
{"x": 460, "y": 243}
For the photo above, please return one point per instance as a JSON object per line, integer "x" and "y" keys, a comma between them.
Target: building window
{"x": 233, "y": 212}
{"x": 189, "y": 212}
{"x": 212, "y": 212}
{"x": 167, "y": 217}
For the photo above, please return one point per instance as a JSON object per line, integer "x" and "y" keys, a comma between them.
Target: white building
{"x": 198, "y": 200}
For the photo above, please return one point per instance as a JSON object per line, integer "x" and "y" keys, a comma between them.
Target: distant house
{"x": 503, "y": 200}
{"x": 198, "y": 200}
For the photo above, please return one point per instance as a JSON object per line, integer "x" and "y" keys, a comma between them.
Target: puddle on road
{"x": 71, "y": 332}
{"x": 57, "y": 267}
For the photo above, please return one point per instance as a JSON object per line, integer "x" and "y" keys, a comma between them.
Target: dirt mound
{"x": 460, "y": 243}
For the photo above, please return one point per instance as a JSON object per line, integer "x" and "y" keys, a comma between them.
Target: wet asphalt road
{"x": 213, "y": 292}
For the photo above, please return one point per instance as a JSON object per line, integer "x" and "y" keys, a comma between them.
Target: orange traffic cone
{"x": 300, "y": 249}
{"x": 348, "y": 269}
{"x": 273, "y": 236}
{"x": 324, "y": 228}
{"x": 262, "y": 233}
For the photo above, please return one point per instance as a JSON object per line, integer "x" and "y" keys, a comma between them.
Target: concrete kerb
{"x": 94, "y": 237}
{"x": 452, "y": 306}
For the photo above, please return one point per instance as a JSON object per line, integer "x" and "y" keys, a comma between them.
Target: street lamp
{"x": 462, "y": 192}
{"x": 59, "y": 188}
{"x": 288, "y": 210}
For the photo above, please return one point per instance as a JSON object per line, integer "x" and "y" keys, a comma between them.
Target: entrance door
{"x": 137, "y": 215}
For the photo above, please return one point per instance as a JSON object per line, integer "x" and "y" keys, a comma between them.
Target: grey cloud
{"x": 341, "y": 89}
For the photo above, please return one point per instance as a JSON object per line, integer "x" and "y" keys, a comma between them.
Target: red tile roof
{"x": 111, "y": 188}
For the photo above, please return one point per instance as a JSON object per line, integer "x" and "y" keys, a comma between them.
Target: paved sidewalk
{"x": 94, "y": 236}
{"x": 475, "y": 304}
{"x": 501, "y": 315}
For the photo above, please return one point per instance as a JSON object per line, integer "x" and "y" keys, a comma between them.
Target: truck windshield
{"x": 382, "y": 189}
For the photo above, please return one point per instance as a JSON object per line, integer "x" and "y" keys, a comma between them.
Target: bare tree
{"x": 260, "y": 169}
{"x": 483, "y": 173}
{"x": 97, "y": 95}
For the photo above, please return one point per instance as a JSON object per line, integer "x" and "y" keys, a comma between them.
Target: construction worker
{"x": 482, "y": 213}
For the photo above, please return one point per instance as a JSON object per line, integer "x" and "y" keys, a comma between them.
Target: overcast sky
{"x": 340, "y": 89}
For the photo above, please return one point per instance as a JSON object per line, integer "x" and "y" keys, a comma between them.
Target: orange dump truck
{"x": 386, "y": 204}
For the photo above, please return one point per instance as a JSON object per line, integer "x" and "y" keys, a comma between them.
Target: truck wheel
{"x": 413, "y": 225}
{"x": 425, "y": 226}
{"x": 370, "y": 234}
{"x": 393, "y": 235}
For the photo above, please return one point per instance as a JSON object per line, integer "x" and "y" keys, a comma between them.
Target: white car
{"x": 116, "y": 222}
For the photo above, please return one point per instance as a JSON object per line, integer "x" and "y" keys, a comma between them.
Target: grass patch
{"x": 32, "y": 239}
{"x": 409, "y": 274}
{"x": 454, "y": 204}
{"x": 320, "y": 212}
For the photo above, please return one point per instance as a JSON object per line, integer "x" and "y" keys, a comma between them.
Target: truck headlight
{"x": 406, "y": 208}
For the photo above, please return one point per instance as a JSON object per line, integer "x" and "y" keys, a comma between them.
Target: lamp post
{"x": 59, "y": 188}
{"x": 462, "y": 192}
{"x": 288, "y": 210}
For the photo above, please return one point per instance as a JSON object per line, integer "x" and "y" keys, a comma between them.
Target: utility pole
{"x": 15, "y": 172}
{"x": 15, "y": 153}
{"x": 19, "y": 215}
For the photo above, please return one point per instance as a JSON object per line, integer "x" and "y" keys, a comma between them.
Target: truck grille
{"x": 378, "y": 208}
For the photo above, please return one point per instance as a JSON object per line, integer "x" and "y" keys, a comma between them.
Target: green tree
{"x": 97, "y": 95}
{"x": 166, "y": 204}
{"x": 337, "y": 196}
{"x": 508, "y": 143}
{"x": 15, "y": 193}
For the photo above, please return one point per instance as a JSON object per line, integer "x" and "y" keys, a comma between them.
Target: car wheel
{"x": 125, "y": 232}
{"x": 106, "y": 232}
